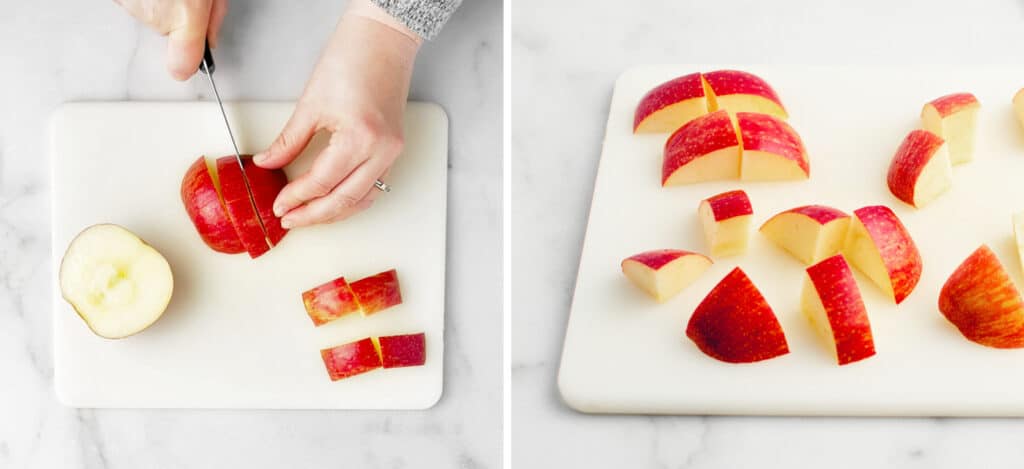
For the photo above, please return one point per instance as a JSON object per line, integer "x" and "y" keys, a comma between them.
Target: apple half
{"x": 351, "y": 359}
{"x": 118, "y": 284}
{"x": 663, "y": 273}
{"x": 772, "y": 150}
{"x": 669, "y": 105}
{"x": 881, "y": 247}
{"x": 980, "y": 299}
{"x": 704, "y": 149}
{"x": 921, "y": 169}
{"x": 398, "y": 351}
{"x": 954, "y": 118}
{"x": 740, "y": 91}
{"x": 831, "y": 301}
{"x": 726, "y": 221}
{"x": 809, "y": 233}
{"x": 377, "y": 292}
{"x": 329, "y": 301}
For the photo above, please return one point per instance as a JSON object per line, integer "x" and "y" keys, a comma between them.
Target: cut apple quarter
{"x": 671, "y": 104}
{"x": 377, "y": 292}
{"x": 881, "y": 247}
{"x": 739, "y": 91}
{"x": 735, "y": 324}
{"x": 329, "y": 301}
{"x": 351, "y": 359}
{"x": 831, "y": 301}
{"x": 704, "y": 149}
{"x": 726, "y": 221}
{"x": 772, "y": 150}
{"x": 980, "y": 299}
{"x": 398, "y": 351}
{"x": 118, "y": 284}
{"x": 810, "y": 233}
{"x": 954, "y": 118}
{"x": 921, "y": 170}
{"x": 663, "y": 273}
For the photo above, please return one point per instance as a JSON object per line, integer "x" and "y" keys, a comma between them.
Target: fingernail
{"x": 259, "y": 158}
{"x": 286, "y": 223}
{"x": 279, "y": 209}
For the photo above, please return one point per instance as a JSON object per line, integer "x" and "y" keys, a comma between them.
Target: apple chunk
{"x": 726, "y": 221}
{"x": 670, "y": 105}
{"x": 351, "y": 359}
{"x": 1018, "y": 236}
{"x": 772, "y": 150}
{"x": 377, "y": 292}
{"x": 979, "y": 298}
{"x": 734, "y": 323}
{"x": 832, "y": 302}
{"x": 954, "y": 118}
{"x": 881, "y": 247}
{"x": 398, "y": 351}
{"x": 920, "y": 171}
{"x": 200, "y": 193}
{"x": 665, "y": 272}
{"x": 118, "y": 284}
{"x": 739, "y": 91}
{"x": 704, "y": 149}
{"x": 810, "y": 233}
{"x": 329, "y": 301}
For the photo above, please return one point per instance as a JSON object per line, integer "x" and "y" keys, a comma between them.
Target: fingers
{"x": 332, "y": 165}
{"x": 185, "y": 43}
{"x": 218, "y": 11}
{"x": 296, "y": 134}
{"x": 353, "y": 195}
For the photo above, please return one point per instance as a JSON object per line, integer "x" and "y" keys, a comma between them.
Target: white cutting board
{"x": 624, "y": 353}
{"x": 235, "y": 334}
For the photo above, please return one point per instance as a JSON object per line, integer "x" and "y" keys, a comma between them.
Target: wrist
{"x": 368, "y": 10}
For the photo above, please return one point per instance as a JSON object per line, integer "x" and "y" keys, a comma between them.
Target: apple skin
{"x": 377, "y": 292}
{"x": 832, "y": 283}
{"x": 740, "y": 91}
{"x": 351, "y": 359}
{"x": 663, "y": 273}
{"x": 830, "y": 225}
{"x": 673, "y": 96}
{"x": 899, "y": 254}
{"x": 206, "y": 209}
{"x": 914, "y": 154}
{"x": 240, "y": 207}
{"x": 398, "y": 351}
{"x": 767, "y": 134}
{"x": 952, "y": 103}
{"x": 266, "y": 184}
{"x": 329, "y": 301}
{"x": 729, "y": 205}
{"x": 734, "y": 323}
{"x": 980, "y": 299}
{"x": 708, "y": 136}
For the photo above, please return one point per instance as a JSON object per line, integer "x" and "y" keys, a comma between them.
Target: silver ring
{"x": 381, "y": 186}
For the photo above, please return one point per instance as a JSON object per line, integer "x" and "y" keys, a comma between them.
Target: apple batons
{"x": 831, "y": 300}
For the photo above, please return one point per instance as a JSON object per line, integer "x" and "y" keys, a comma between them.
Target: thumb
{"x": 185, "y": 50}
{"x": 290, "y": 143}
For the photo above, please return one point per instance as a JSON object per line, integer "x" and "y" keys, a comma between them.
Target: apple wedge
{"x": 265, "y": 185}
{"x": 739, "y": 91}
{"x": 351, "y": 359}
{"x": 954, "y": 118}
{"x": 734, "y": 323}
{"x": 670, "y": 105}
{"x": 726, "y": 221}
{"x": 810, "y": 233}
{"x": 118, "y": 284}
{"x": 1018, "y": 106}
{"x": 921, "y": 170}
{"x": 772, "y": 150}
{"x": 979, "y": 298}
{"x": 398, "y": 351}
{"x": 377, "y": 292}
{"x": 831, "y": 301}
{"x": 665, "y": 272}
{"x": 329, "y": 301}
{"x": 704, "y": 149}
{"x": 200, "y": 193}
{"x": 879, "y": 246}
{"x": 240, "y": 207}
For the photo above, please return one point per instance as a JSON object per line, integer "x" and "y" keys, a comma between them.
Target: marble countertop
{"x": 67, "y": 50}
{"x": 565, "y": 62}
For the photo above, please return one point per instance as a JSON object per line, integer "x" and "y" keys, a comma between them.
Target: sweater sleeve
{"x": 423, "y": 17}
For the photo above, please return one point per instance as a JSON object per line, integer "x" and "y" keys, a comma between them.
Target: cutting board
{"x": 624, "y": 353}
{"x": 236, "y": 334}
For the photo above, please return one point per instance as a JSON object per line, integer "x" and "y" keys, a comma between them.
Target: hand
{"x": 357, "y": 92}
{"x": 187, "y": 25}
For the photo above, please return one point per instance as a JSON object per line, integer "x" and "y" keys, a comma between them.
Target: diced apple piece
{"x": 881, "y": 247}
{"x": 329, "y": 301}
{"x": 953, "y": 117}
{"x": 118, "y": 284}
{"x": 704, "y": 149}
{"x": 1018, "y": 106}
{"x": 772, "y": 150}
{"x": 810, "y": 233}
{"x": 920, "y": 171}
{"x": 832, "y": 302}
{"x": 735, "y": 324}
{"x": 726, "y": 221}
{"x": 351, "y": 359}
{"x": 1018, "y": 236}
{"x": 979, "y": 298}
{"x": 200, "y": 194}
{"x": 665, "y": 272}
{"x": 241, "y": 208}
{"x": 738, "y": 91}
{"x": 377, "y": 292}
{"x": 671, "y": 104}
{"x": 398, "y": 351}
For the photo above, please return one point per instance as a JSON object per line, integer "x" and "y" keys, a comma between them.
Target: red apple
{"x": 772, "y": 150}
{"x": 403, "y": 350}
{"x": 742, "y": 92}
{"x": 351, "y": 359}
{"x": 201, "y": 197}
{"x": 377, "y": 292}
{"x": 810, "y": 233}
{"x": 921, "y": 170}
{"x": 670, "y": 105}
{"x": 265, "y": 185}
{"x": 734, "y": 323}
{"x": 879, "y": 246}
{"x": 704, "y": 149}
{"x": 832, "y": 302}
{"x": 982, "y": 302}
{"x": 953, "y": 117}
{"x": 665, "y": 272}
{"x": 330, "y": 301}
{"x": 240, "y": 207}
{"x": 726, "y": 221}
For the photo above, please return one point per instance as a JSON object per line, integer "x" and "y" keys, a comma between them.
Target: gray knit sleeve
{"x": 423, "y": 17}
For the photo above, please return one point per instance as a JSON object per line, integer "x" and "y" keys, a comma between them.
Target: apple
{"x": 726, "y": 221}
{"x": 979, "y": 298}
{"x": 403, "y": 350}
{"x": 810, "y": 233}
{"x": 879, "y": 246}
{"x": 671, "y": 104}
{"x": 1018, "y": 105}
{"x": 329, "y": 301}
{"x": 351, "y": 359}
{"x": 665, "y": 272}
{"x": 118, "y": 284}
{"x": 921, "y": 170}
{"x": 1018, "y": 235}
{"x": 200, "y": 193}
{"x": 953, "y": 117}
{"x": 831, "y": 301}
{"x": 377, "y": 292}
{"x": 742, "y": 92}
{"x": 704, "y": 149}
{"x": 265, "y": 185}
{"x": 772, "y": 150}
{"x": 734, "y": 323}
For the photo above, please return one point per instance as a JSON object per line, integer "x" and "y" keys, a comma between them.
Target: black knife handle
{"x": 208, "y": 60}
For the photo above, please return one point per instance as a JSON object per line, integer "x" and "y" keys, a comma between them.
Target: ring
{"x": 381, "y": 186}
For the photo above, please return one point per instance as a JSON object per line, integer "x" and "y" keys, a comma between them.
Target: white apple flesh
{"x": 666, "y": 272}
{"x": 954, "y": 118}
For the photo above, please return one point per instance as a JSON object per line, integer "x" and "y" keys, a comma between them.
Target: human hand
{"x": 357, "y": 92}
{"x": 186, "y": 23}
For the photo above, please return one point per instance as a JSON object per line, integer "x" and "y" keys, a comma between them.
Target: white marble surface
{"x": 56, "y": 51}
{"x": 565, "y": 61}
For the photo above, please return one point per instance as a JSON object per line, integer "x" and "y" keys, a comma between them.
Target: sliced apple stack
{"x": 337, "y": 298}
{"x": 371, "y": 353}
{"x": 831, "y": 301}
{"x": 664, "y": 273}
{"x": 921, "y": 169}
{"x": 880, "y": 246}
{"x": 810, "y": 233}
{"x": 954, "y": 118}
{"x": 980, "y": 299}
{"x": 726, "y": 221}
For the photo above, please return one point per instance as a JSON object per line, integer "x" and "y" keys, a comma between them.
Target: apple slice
{"x": 953, "y": 117}
{"x": 351, "y": 359}
{"x": 377, "y": 292}
{"x": 118, "y": 284}
{"x": 772, "y": 150}
{"x": 1018, "y": 236}
{"x": 1018, "y": 105}
{"x": 704, "y": 149}
{"x": 742, "y": 92}
{"x": 920, "y": 171}
{"x": 670, "y": 105}
{"x": 241, "y": 208}
{"x": 832, "y": 302}
{"x": 734, "y": 323}
{"x": 810, "y": 233}
{"x": 979, "y": 298}
{"x": 398, "y": 351}
{"x": 329, "y": 301}
{"x": 726, "y": 221}
{"x": 665, "y": 272}
{"x": 265, "y": 185}
{"x": 879, "y": 246}
{"x": 200, "y": 193}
